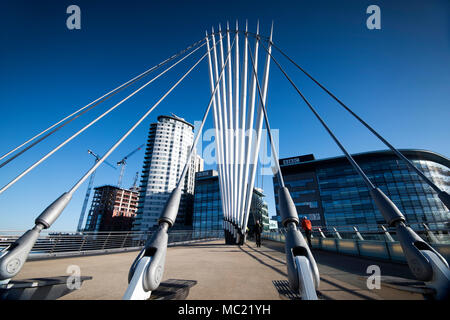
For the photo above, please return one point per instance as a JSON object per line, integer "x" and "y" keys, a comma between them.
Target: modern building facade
{"x": 112, "y": 209}
{"x": 168, "y": 145}
{"x": 258, "y": 210}
{"x": 208, "y": 214}
{"x": 330, "y": 193}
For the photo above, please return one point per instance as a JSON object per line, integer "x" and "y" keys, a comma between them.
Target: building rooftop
{"x": 176, "y": 118}
{"x": 259, "y": 192}
{"x": 409, "y": 153}
{"x": 115, "y": 187}
{"x": 206, "y": 174}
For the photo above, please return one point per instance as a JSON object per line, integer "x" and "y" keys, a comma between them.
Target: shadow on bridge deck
{"x": 345, "y": 277}
{"x": 225, "y": 272}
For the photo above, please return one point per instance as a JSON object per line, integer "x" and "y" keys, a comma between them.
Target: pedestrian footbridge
{"x": 230, "y": 269}
{"x": 224, "y": 272}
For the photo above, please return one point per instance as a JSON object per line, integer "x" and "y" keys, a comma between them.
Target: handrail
{"x": 54, "y": 243}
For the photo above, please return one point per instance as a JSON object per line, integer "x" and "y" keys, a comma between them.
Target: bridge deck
{"x": 225, "y": 272}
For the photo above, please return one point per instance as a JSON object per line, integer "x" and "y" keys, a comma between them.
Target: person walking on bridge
{"x": 306, "y": 225}
{"x": 258, "y": 230}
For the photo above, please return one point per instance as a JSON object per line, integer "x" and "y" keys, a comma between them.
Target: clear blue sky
{"x": 396, "y": 78}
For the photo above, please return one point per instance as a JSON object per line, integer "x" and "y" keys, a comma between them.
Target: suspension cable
{"x": 371, "y": 129}
{"x": 216, "y": 112}
{"x": 263, "y": 107}
{"x": 194, "y": 144}
{"x": 20, "y": 176}
{"x": 98, "y": 163}
{"x": 248, "y": 175}
{"x": 336, "y": 140}
{"x": 88, "y": 107}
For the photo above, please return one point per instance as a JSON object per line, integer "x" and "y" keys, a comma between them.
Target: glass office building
{"x": 330, "y": 192}
{"x": 208, "y": 214}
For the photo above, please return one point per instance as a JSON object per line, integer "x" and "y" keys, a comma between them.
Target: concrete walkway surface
{"x": 225, "y": 272}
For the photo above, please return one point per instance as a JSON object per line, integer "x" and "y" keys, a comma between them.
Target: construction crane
{"x": 136, "y": 177}
{"x": 123, "y": 163}
{"x": 88, "y": 191}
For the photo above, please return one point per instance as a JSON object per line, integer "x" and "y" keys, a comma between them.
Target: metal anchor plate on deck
{"x": 173, "y": 289}
{"x": 38, "y": 288}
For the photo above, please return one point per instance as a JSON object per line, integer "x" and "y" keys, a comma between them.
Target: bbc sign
{"x": 289, "y": 162}
{"x": 297, "y": 160}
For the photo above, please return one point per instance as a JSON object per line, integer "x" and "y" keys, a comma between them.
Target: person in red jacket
{"x": 306, "y": 226}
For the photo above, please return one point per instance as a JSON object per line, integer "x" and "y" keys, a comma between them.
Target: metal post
{"x": 431, "y": 237}
{"x": 106, "y": 240}
{"x": 55, "y": 243}
{"x": 358, "y": 234}
{"x": 321, "y": 233}
{"x": 82, "y": 243}
{"x": 337, "y": 233}
{"x": 387, "y": 234}
{"x": 124, "y": 240}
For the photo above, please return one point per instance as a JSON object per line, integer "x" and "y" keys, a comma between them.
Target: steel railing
{"x": 437, "y": 232}
{"x": 378, "y": 241}
{"x": 54, "y": 244}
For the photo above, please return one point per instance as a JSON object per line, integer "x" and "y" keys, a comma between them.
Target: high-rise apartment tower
{"x": 168, "y": 145}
